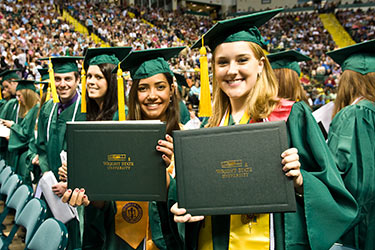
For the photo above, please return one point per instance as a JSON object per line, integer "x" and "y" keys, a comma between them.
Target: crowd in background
{"x": 36, "y": 29}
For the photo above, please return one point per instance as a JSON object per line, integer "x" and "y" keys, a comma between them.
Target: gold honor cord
{"x": 83, "y": 83}
{"x": 52, "y": 80}
{"x": 120, "y": 94}
{"x": 41, "y": 91}
{"x": 205, "y": 109}
{"x": 248, "y": 231}
{"x": 244, "y": 119}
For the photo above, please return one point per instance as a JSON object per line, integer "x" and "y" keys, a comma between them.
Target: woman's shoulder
{"x": 363, "y": 108}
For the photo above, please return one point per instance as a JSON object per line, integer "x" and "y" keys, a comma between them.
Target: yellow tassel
{"x": 48, "y": 96}
{"x": 83, "y": 82}
{"x": 205, "y": 109}
{"x": 1, "y": 96}
{"x": 120, "y": 95}
{"x": 52, "y": 81}
{"x": 41, "y": 90}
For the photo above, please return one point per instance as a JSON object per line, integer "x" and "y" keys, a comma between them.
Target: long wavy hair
{"x": 353, "y": 85}
{"x": 290, "y": 87}
{"x": 31, "y": 98}
{"x": 110, "y": 106}
{"x": 172, "y": 112}
{"x": 262, "y": 99}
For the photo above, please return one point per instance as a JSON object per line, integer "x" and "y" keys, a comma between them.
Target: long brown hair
{"x": 172, "y": 112}
{"x": 290, "y": 87}
{"x": 31, "y": 98}
{"x": 262, "y": 99}
{"x": 353, "y": 85}
{"x": 110, "y": 106}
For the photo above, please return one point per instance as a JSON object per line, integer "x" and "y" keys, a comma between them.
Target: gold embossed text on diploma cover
{"x": 117, "y": 160}
{"x": 233, "y": 170}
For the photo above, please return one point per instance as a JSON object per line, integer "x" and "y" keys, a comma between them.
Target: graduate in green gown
{"x": 184, "y": 112}
{"x": 245, "y": 91}
{"x": 287, "y": 71}
{"x": 4, "y": 96}
{"x": 32, "y": 157}
{"x": 152, "y": 96}
{"x": 351, "y": 136}
{"x": 9, "y": 109}
{"x": 65, "y": 106}
{"x": 100, "y": 95}
{"x": 22, "y": 130}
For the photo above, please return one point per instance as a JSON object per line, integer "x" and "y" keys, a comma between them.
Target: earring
{"x": 170, "y": 99}
{"x": 258, "y": 75}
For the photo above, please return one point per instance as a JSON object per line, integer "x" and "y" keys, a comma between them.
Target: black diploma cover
{"x": 115, "y": 160}
{"x": 233, "y": 170}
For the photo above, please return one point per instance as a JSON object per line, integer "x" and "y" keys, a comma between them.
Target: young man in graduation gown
{"x": 52, "y": 121}
{"x": 10, "y": 109}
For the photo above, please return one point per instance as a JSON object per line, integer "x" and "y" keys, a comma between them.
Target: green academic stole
{"x": 246, "y": 231}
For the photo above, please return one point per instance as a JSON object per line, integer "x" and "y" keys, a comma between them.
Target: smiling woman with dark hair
{"x": 152, "y": 97}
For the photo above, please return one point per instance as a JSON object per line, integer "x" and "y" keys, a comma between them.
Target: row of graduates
{"x": 333, "y": 181}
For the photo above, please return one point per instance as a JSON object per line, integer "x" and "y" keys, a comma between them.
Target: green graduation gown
{"x": 184, "y": 113}
{"x": 352, "y": 141}
{"x": 323, "y": 214}
{"x": 20, "y": 136}
{"x": 32, "y": 152}
{"x": 51, "y": 141}
{"x": 9, "y": 112}
{"x": 2, "y": 104}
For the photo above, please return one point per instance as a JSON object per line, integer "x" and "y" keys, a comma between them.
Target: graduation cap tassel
{"x": 48, "y": 93}
{"x": 205, "y": 109}
{"x": 83, "y": 82}
{"x": 120, "y": 94}
{"x": 1, "y": 96}
{"x": 52, "y": 81}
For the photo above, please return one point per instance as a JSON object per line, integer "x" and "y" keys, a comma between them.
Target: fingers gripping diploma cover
{"x": 117, "y": 160}
{"x": 233, "y": 170}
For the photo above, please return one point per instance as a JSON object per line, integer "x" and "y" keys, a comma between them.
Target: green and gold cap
{"x": 243, "y": 28}
{"x": 287, "y": 60}
{"x": 9, "y": 74}
{"x": 44, "y": 75}
{"x": 64, "y": 64}
{"x": 25, "y": 84}
{"x": 146, "y": 63}
{"x": 181, "y": 80}
{"x": 359, "y": 57}
{"x": 112, "y": 55}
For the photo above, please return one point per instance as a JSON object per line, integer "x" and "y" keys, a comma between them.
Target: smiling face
{"x": 154, "y": 94}
{"x": 10, "y": 86}
{"x": 96, "y": 84}
{"x": 236, "y": 69}
{"x": 66, "y": 85}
